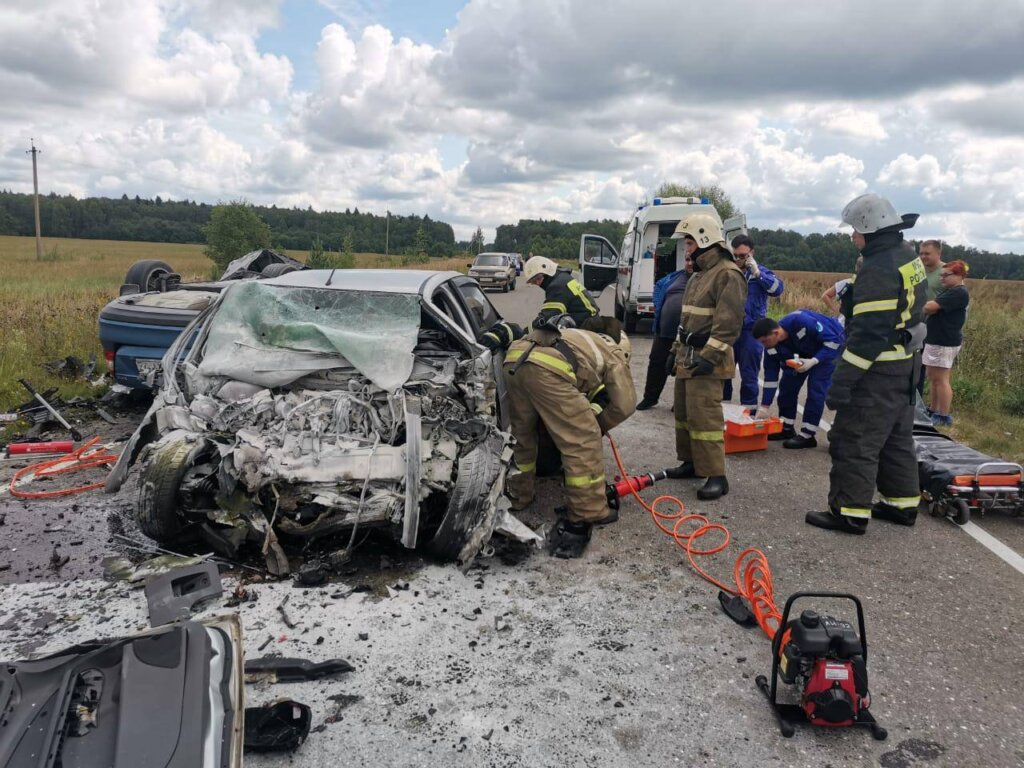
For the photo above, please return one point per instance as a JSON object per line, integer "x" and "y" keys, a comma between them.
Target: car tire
{"x": 504, "y": 288}
{"x": 146, "y": 274}
{"x": 620, "y": 313}
{"x": 629, "y": 323}
{"x": 276, "y": 270}
{"x": 469, "y": 518}
{"x": 156, "y": 509}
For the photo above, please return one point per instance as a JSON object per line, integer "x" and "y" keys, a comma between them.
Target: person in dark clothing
{"x": 563, "y": 295}
{"x": 873, "y": 389}
{"x": 947, "y": 314}
{"x": 668, "y": 306}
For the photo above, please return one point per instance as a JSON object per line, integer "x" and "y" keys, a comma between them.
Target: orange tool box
{"x": 743, "y": 433}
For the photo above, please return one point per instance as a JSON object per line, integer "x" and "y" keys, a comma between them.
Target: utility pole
{"x": 35, "y": 187}
{"x": 387, "y": 231}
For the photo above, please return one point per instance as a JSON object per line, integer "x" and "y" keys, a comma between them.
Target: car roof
{"x": 370, "y": 280}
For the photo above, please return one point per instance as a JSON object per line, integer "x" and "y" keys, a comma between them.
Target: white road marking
{"x": 994, "y": 545}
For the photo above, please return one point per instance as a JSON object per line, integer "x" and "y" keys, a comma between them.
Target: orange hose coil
{"x": 751, "y": 573}
{"x": 80, "y": 458}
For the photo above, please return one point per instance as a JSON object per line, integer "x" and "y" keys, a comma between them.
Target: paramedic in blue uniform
{"x": 815, "y": 340}
{"x": 761, "y": 283}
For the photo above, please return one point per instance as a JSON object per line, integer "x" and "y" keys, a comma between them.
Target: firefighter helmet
{"x": 539, "y": 265}
{"x": 704, "y": 228}
{"x": 870, "y": 213}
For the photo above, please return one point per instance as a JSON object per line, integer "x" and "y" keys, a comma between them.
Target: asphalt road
{"x": 622, "y": 657}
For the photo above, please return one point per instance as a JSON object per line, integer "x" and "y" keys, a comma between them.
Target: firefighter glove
{"x": 500, "y": 335}
{"x": 695, "y": 340}
{"x": 700, "y": 366}
{"x": 807, "y": 364}
{"x": 599, "y": 399}
{"x": 670, "y": 364}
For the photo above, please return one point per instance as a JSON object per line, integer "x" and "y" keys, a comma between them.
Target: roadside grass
{"x": 988, "y": 377}
{"x": 49, "y": 309}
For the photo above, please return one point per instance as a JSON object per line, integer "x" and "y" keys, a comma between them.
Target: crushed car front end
{"x": 305, "y": 410}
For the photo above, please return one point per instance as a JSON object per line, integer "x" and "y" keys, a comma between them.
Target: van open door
{"x": 599, "y": 263}
{"x": 733, "y": 226}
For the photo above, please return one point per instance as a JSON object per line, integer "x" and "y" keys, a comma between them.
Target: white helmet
{"x": 702, "y": 227}
{"x": 539, "y": 265}
{"x": 870, "y": 213}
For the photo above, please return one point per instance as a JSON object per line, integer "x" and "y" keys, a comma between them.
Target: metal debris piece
{"x": 275, "y": 669}
{"x": 174, "y": 595}
{"x": 278, "y": 727}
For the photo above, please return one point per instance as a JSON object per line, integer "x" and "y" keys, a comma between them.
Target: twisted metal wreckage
{"x": 294, "y": 410}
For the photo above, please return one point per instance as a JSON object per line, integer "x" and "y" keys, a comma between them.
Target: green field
{"x": 49, "y": 309}
{"x": 988, "y": 379}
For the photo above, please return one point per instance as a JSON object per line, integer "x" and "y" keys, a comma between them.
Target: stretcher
{"x": 957, "y": 480}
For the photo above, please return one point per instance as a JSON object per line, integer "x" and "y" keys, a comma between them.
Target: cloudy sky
{"x": 485, "y": 112}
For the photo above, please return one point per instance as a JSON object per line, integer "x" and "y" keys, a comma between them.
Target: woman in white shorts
{"x": 946, "y": 315}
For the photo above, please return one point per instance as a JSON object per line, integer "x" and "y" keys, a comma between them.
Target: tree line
{"x": 182, "y": 221}
{"x": 185, "y": 221}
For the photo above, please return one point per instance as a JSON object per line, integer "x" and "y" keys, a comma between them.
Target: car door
{"x": 733, "y": 226}
{"x": 599, "y": 263}
{"x": 483, "y": 315}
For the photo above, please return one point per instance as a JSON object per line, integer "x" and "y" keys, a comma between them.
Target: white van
{"x": 648, "y": 254}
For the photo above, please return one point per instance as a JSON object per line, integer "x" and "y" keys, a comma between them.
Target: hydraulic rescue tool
{"x": 623, "y": 487}
{"x": 827, "y": 659}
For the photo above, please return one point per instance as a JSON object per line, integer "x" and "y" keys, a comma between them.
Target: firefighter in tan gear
{"x": 577, "y": 384}
{"x": 712, "y": 318}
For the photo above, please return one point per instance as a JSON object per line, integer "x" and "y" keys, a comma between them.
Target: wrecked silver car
{"x": 320, "y": 403}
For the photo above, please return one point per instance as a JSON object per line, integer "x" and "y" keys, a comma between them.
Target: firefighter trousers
{"x": 872, "y": 445}
{"x": 537, "y": 395}
{"x": 700, "y": 425}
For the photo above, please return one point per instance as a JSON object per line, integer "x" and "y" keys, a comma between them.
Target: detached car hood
{"x": 168, "y": 697}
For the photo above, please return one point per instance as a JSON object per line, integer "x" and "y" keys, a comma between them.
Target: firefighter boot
{"x": 800, "y": 441}
{"x": 891, "y": 514}
{"x": 831, "y": 521}
{"x": 569, "y": 540}
{"x": 683, "y": 471}
{"x": 714, "y": 488}
{"x": 787, "y": 433}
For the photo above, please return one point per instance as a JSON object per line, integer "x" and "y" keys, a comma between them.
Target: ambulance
{"x": 648, "y": 253}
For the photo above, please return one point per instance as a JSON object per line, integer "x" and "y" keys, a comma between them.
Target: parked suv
{"x": 494, "y": 270}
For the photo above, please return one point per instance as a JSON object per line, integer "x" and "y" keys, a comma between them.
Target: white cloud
{"x": 566, "y": 109}
{"x": 922, "y": 172}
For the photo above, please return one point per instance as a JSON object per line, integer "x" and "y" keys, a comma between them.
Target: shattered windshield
{"x": 492, "y": 260}
{"x": 272, "y": 335}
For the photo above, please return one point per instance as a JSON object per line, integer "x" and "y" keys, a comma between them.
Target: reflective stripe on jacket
{"x": 600, "y": 365}
{"x": 886, "y": 303}
{"x": 714, "y": 304}
{"x": 564, "y": 295}
{"x": 758, "y": 290}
